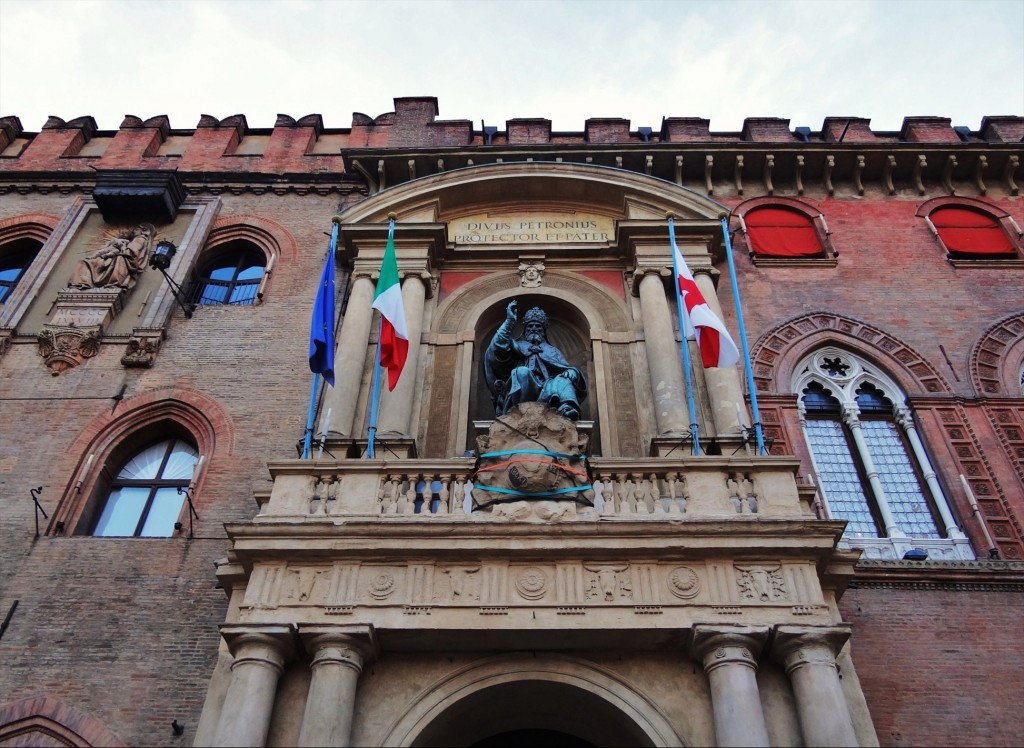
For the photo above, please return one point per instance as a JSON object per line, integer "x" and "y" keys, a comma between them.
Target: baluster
{"x": 625, "y": 494}
{"x": 658, "y": 503}
{"x": 748, "y": 486}
{"x": 443, "y": 481}
{"x": 640, "y": 494}
{"x": 331, "y": 500}
{"x": 671, "y": 482}
{"x": 412, "y": 495}
{"x": 460, "y": 495}
{"x": 607, "y": 495}
{"x": 732, "y": 483}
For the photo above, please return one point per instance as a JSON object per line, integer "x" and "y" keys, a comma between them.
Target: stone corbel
{"x": 1011, "y": 166}
{"x": 888, "y": 169}
{"x": 830, "y": 164}
{"x": 6, "y": 334}
{"x": 738, "y": 174}
{"x": 799, "y": 174}
{"x": 947, "y": 174}
{"x": 679, "y": 170}
{"x": 709, "y": 161}
{"x": 65, "y": 347}
{"x": 979, "y": 174}
{"x": 769, "y": 165}
{"x": 919, "y": 166}
{"x": 648, "y": 165}
{"x": 370, "y": 181}
{"x": 858, "y": 170}
{"x": 143, "y": 347}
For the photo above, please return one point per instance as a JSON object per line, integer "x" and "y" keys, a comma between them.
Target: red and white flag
{"x": 716, "y": 345}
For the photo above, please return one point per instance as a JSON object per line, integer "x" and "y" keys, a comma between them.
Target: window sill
{"x": 893, "y": 549}
{"x": 987, "y": 264}
{"x": 795, "y": 262}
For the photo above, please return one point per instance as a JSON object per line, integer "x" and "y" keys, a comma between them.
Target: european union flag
{"x": 321, "y": 329}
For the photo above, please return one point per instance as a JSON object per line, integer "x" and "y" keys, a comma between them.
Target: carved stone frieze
{"x": 683, "y": 582}
{"x": 761, "y": 582}
{"x": 571, "y": 586}
{"x": 608, "y": 583}
{"x": 64, "y": 348}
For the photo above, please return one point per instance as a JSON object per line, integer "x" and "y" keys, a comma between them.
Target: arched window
{"x": 147, "y": 493}
{"x": 872, "y": 468}
{"x": 971, "y": 234}
{"x": 781, "y": 232}
{"x": 15, "y": 257}
{"x": 232, "y": 275}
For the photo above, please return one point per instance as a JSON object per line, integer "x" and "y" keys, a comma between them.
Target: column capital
{"x": 640, "y": 272}
{"x": 795, "y": 646}
{"x": 346, "y": 644}
{"x": 429, "y": 281}
{"x": 720, "y": 643}
{"x": 269, "y": 645}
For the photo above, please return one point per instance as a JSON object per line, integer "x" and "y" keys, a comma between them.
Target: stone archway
{"x": 550, "y": 698}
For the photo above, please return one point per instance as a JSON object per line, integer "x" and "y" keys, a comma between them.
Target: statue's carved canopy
{"x": 124, "y": 195}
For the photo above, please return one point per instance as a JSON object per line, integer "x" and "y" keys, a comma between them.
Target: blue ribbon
{"x": 513, "y": 492}
{"x": 533, "y": 452}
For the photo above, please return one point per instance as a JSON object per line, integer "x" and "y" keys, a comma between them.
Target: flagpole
{"x": 375, "y": 398}
{"x": 308, "y": 438}
{"x": 758, "y": 433}
{"x": 311, "y": 414}
{"x": 375, "y": 387}
{"x": 685, "y": 345}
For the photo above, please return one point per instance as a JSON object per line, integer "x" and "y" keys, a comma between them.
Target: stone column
{"x": 906, "y": 421}
{"x": 663, "y": 356}
{"x": 725, "y": 389}
{"x": 809, "y": 656}
{"x": 396, "y": 406}
{"x": 728, "y": 653}
{"x": 259, "y": 655}
{"x": 338, "y": 656}
{"x": 851, "y": 417}
{"x": 350, "y": 359}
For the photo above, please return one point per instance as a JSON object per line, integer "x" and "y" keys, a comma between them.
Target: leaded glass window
{"x": 233, "y": 277}
{"x": 147, "y": 495}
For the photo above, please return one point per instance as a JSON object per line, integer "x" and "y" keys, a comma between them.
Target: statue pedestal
{"x": 87, "y": 308}
{"x": 75, "y": 330}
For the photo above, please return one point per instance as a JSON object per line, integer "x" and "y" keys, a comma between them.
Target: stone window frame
{"x": 106, "y": 447}
{"x": 263, "y": 234}
{"x": 816, "y": 219}
{"x": 234, "y": 250}
{"x": 999, "y": 216}
{"x": 842, "y": 383}
{"x": 37, "y": 227}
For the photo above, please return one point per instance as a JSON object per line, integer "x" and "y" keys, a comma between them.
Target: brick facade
{"x": 115, "y": 638}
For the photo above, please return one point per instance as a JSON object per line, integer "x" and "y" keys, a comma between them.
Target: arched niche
{"x": 586, "y": 321}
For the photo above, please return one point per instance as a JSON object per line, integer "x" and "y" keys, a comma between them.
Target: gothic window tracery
{"x": 872, "y": 468}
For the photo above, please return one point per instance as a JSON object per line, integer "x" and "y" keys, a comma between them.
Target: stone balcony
{"x": 430, "y": 490}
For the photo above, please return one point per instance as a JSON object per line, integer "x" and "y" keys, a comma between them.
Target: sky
{"x": 489, "y": 61}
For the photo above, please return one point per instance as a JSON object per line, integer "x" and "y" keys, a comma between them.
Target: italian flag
{"x": 394, "y": 334}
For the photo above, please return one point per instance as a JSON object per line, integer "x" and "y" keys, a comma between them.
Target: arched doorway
{"x": 532, "y": 712}
{"x": 532, "y": 700}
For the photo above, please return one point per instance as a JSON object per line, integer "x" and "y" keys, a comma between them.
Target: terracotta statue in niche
{"x": 118, "y": 263}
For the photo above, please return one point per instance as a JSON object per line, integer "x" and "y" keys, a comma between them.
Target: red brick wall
{"x": 939, "y": 667}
